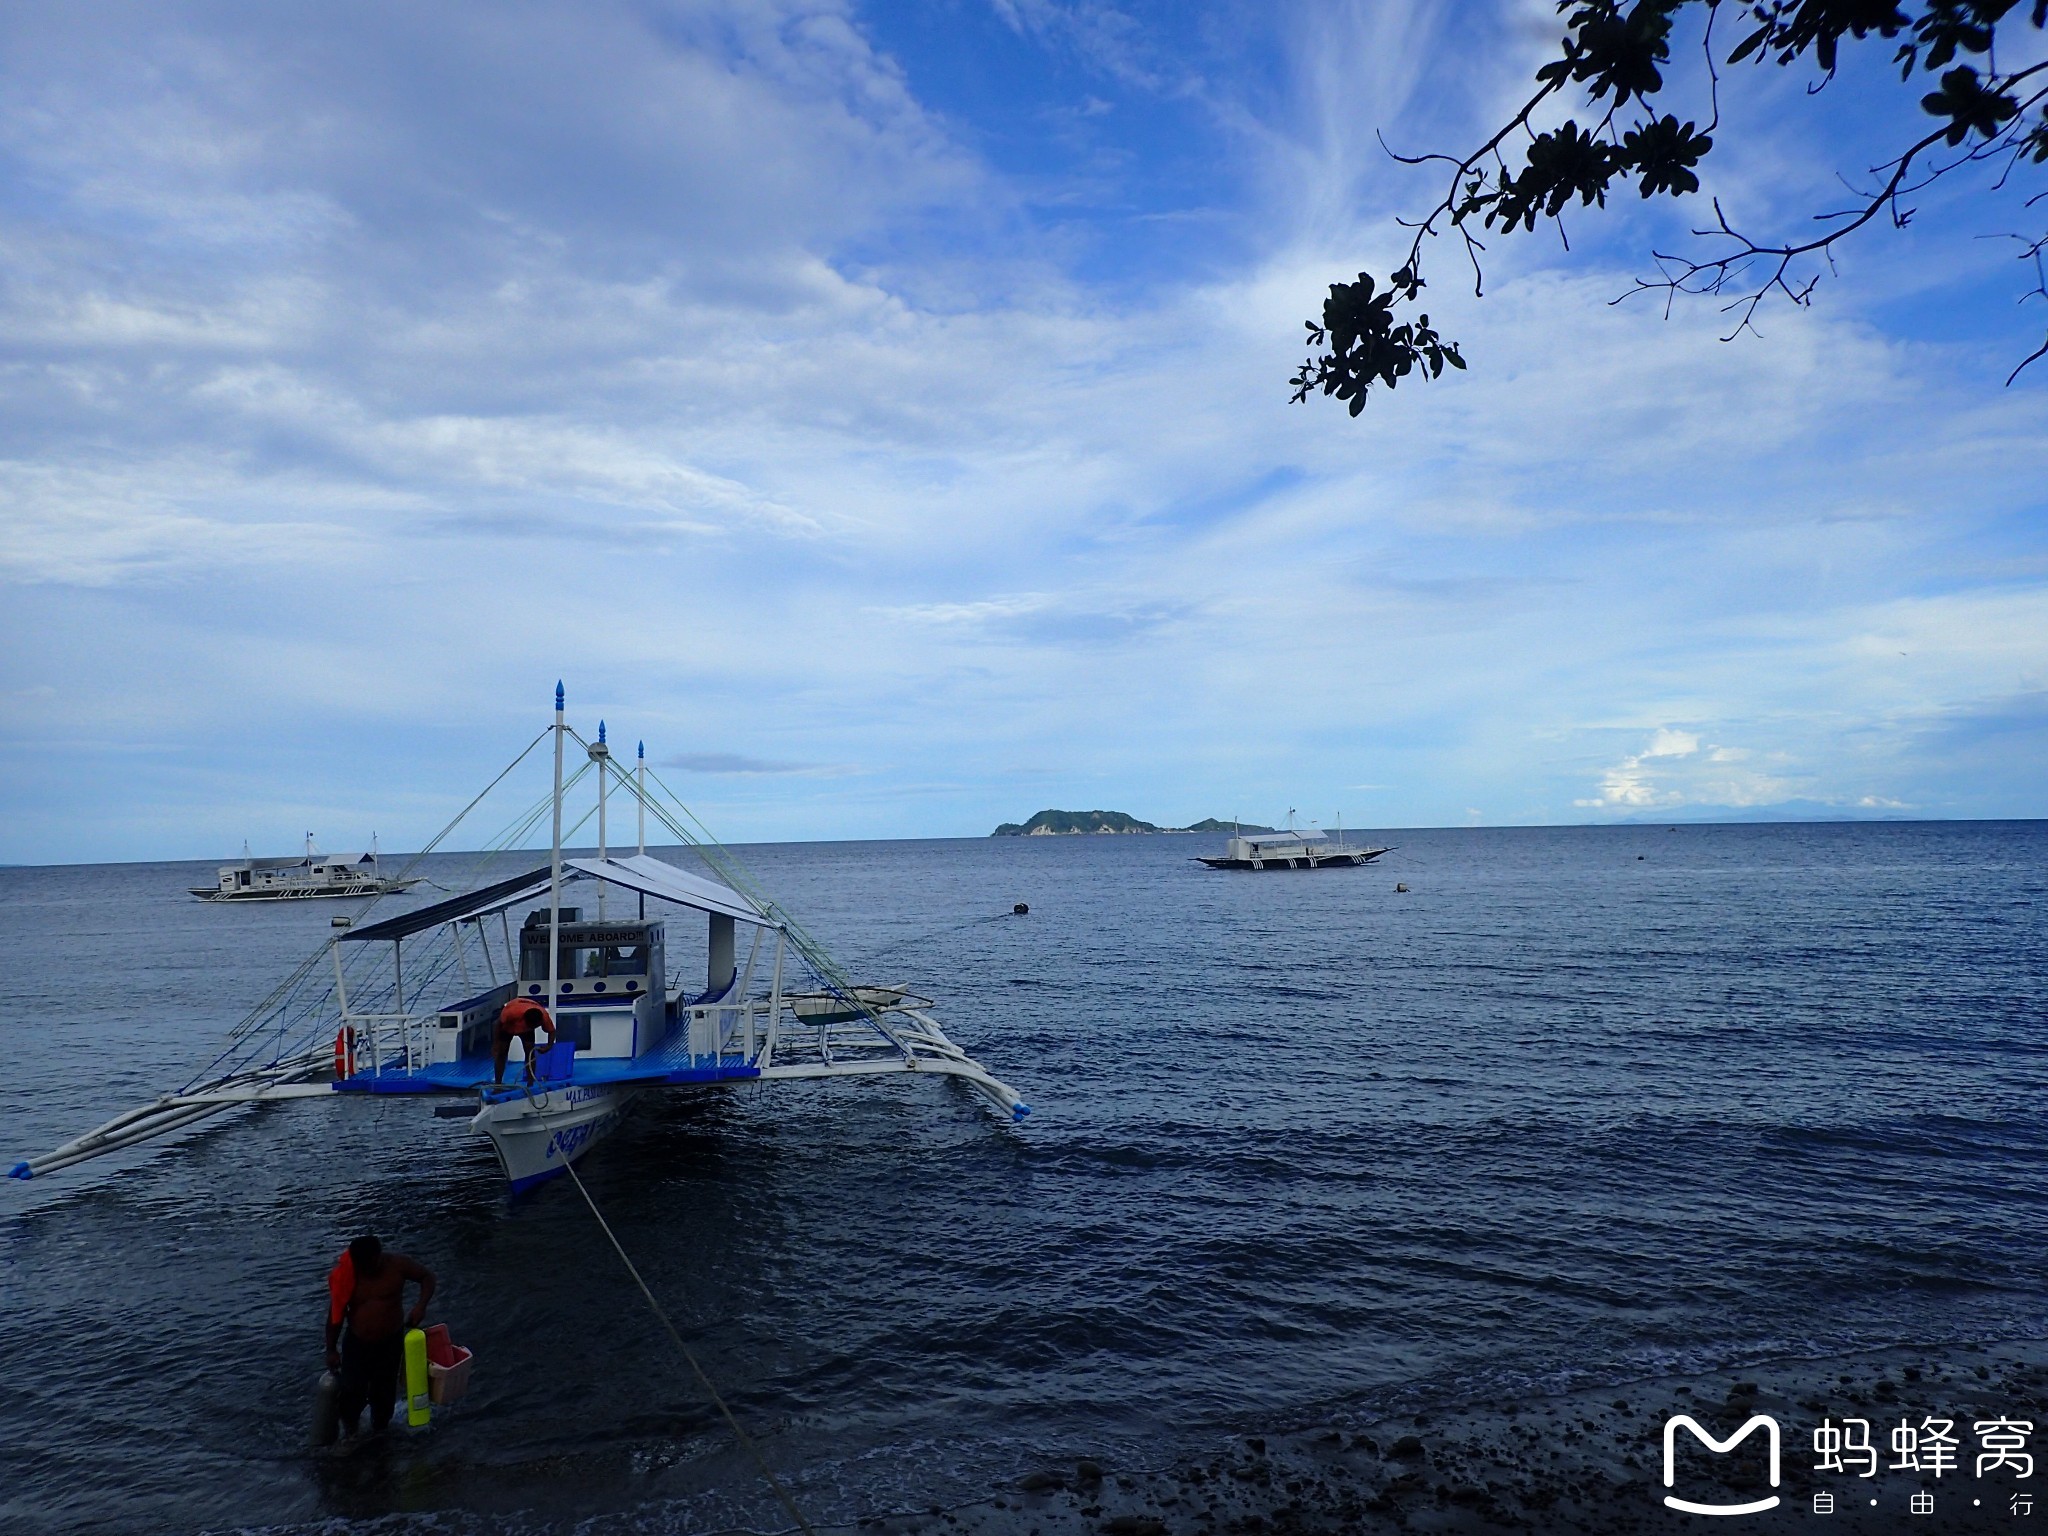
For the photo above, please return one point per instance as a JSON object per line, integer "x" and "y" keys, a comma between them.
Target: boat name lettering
{"x": 568, "y": 1141}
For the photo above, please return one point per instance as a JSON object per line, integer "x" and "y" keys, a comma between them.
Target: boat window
{"x": 580, "y": 960}
{"x": 610, "y": 960}
{"x": 576, "y": 1030}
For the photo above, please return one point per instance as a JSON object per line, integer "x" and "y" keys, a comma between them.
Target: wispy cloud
{"x": 738, "y": 763}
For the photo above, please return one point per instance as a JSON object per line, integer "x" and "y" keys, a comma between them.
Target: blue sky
{"x": 882, "y": 410}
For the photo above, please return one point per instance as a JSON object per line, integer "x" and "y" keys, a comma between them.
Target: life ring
{"x": 344, "y": 1053}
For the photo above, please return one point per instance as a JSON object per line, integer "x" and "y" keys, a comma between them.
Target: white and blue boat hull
{"x": 537, "y": 1137}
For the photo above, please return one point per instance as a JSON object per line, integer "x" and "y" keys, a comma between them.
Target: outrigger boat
{"x": 1291, "y": 850}
{"x": 313, "y": 874}
{"x": 358, "y": 1017}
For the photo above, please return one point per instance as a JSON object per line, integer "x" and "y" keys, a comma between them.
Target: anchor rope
{"x": 932, "y": 933}
{"x": 746, "y": 1440}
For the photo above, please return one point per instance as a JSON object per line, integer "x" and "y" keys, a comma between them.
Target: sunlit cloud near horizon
{"x": 882, "y": 412}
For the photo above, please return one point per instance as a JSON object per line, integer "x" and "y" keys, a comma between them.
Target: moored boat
{"x": 312, "y": 874}
{"x": 1290, "y": 850}
{"x": 347, "y": 1023}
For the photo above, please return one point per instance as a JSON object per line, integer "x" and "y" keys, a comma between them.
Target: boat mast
{"x": 603, "y": 755}
{"x": 640, "y": 794}
{"x": 555, "y": 865}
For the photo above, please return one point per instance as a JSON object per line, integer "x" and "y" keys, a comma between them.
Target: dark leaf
{"x": 1755, "y": 40}
{"x": 1970, "y": 108}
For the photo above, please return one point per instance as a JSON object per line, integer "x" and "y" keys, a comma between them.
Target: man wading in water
{"x": 366, "y": 1290}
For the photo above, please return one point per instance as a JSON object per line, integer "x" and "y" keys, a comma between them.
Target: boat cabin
{"x": 609, "y": 993}
{"x": 1262, "y": 846}
{"x": 254, "y": 876}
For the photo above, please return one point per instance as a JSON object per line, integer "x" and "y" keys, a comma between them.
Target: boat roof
{"x": 298, "y": 861}
{"x": 637, "y": 872}
{"x": 1263, "y": 839}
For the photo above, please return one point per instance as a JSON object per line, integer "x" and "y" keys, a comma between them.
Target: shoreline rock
{"x": 1590, "y": 1460}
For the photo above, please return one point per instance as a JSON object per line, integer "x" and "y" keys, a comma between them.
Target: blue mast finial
{"x": 600, "y": 730}
{"x": 643, "y": 749}
{"x": 558, "y": 696}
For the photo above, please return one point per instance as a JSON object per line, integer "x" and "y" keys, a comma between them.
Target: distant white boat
{"x": 1291, "y": 850}
{"x": 311, "y": 874}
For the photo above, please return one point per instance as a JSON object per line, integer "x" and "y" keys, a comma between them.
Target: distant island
{"x": 1076, "y": 823}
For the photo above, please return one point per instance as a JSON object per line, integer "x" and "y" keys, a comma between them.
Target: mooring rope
{"x": 746, "y": 1440}
{"x": 868, "y": 960}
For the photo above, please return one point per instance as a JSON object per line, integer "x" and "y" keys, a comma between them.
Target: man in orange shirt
{"x": 518, "y": 1020}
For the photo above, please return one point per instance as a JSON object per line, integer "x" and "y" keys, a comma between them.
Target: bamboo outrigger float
{"x": 356, "y": 1018}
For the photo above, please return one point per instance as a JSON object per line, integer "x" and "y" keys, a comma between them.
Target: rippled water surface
{"x": 1584, "y": 1105}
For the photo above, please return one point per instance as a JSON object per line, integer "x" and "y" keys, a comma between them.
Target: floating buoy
{"x": 327, "y": 1409}
{"x": 1019, "y": 910}
{"x": 1400, "y": 889}
{"x": 418, "y": 1406}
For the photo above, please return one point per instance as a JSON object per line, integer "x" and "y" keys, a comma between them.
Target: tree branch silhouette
{"x": 1616, "y": 55}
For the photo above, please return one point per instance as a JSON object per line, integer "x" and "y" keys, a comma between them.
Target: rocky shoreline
{"x": 1588, "y": 1461}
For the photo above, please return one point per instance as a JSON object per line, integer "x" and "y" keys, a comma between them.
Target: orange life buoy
{"x": 344, "y": 1053}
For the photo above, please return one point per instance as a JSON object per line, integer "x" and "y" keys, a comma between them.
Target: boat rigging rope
{"x": 413, "y": 863}
{"x": 744, "y": 1438}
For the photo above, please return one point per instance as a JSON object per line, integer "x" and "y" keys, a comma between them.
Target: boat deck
{"x": 668, "y": 1063}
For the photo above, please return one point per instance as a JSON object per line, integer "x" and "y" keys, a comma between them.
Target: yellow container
{"x": 418, "y": 1410}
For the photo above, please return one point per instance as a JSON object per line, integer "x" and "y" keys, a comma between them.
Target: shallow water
{"x": 1304, "y": 1149}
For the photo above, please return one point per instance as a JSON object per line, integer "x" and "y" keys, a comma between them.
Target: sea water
{"x": 1582, "y": 1106}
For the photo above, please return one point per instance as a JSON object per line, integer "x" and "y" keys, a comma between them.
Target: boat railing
{"x": 738, "y": 1025}
{"x": 390, "y": 1041}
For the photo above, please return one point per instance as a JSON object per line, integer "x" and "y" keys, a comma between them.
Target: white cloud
{"x": 1673, "y": 771}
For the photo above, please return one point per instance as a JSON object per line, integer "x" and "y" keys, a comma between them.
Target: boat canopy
{"x": 1268, "y": 839}
{"x": 641, "y": 872}
{"x": 301, "y": 861}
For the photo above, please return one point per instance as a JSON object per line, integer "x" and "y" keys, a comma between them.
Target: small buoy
{"x": 1400, "y": 889}
{"x": 418, "y": 1405}
{"x": 1639, "y": 858}
{"x": 1019, "y": 910}
{"x": 327, "y": 1409}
